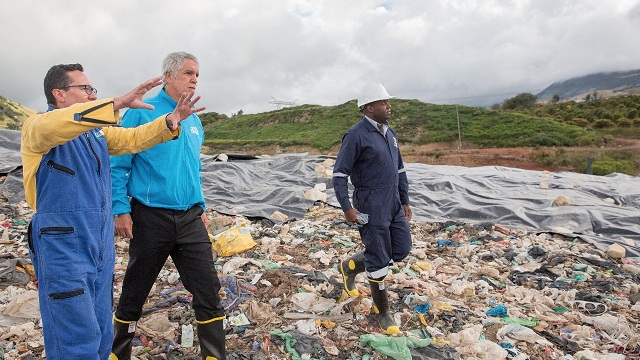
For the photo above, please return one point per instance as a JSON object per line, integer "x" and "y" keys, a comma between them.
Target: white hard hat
{"x": 371, "y": 92}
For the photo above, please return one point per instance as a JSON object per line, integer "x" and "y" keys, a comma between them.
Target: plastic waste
{"x": 524, "y": 322}
{"x": 362, "y": 219}
{"x": 395, "y": 347}
{"x": 470, "y": 345}
{"x": 517, "y": 332}
{"x": 499, "y": 311}
{"x": 187, "y": 335}
{"x": 234, "y": 240}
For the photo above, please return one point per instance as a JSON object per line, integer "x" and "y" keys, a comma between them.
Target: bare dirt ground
{"x": 458, "y": 155}
{"x": 445, "y": 154}
{"x": 435, "y": 154}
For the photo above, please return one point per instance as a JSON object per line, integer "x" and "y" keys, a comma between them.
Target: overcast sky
{"x": 320, "y": 52}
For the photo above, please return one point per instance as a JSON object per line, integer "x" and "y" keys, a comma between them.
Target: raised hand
{"x": 183, "y": 110}
{"x": 133, "y": 99}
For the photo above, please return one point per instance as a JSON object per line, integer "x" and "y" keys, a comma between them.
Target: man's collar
{"x": 375, "y": 123}
{"x": 163, "y": 94}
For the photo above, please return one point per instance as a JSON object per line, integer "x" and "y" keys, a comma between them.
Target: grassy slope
{"x": 322, "y": 127}
{"x": 562, "y": 134}
{"x": 12, "y": 114}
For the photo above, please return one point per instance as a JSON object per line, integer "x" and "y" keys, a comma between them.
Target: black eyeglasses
{"x": 87, "y": 88}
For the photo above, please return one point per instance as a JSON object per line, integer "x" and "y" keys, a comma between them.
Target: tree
{"x": 555, "y": 99}
{"x": 520, "y": 101}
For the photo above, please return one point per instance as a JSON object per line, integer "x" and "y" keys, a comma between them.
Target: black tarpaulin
{"x": 603, "y": 209}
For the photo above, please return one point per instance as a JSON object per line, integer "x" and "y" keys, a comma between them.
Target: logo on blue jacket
{"x": 98, "y": 134}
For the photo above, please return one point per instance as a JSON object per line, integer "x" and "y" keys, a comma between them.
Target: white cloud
{"x": 320, "y": 52}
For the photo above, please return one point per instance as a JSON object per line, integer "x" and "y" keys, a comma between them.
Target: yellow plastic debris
{"x": 233, "y": 241}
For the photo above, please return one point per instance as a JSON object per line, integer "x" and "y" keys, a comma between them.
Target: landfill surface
{"x": 480, "y": 291}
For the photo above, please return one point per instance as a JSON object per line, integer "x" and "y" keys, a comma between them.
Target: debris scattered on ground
{"x": 466, "y": 291}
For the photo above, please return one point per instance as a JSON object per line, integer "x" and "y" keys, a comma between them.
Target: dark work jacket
{"x": 375, "y": 166}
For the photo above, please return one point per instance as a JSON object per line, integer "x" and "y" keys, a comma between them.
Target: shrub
{"x": 624, "y": 122}
{"x": 603, "y": 123}
{"x": 579, "y": 122}
{"x": 606, "y": 167}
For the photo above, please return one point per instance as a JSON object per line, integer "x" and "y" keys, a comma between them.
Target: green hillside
{"x": 416, "y": 122}
{"x": 12, "y": 114}
{"x": 561, "y": 134}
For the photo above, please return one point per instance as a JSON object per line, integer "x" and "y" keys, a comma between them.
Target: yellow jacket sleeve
{"x": 133, "y": 140}
{"x": 42, "y": 132}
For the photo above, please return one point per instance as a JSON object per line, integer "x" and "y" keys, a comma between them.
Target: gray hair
{"x": 173, "y": 62}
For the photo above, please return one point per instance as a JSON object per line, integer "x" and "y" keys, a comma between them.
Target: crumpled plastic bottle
{"x": 187, "y": 335}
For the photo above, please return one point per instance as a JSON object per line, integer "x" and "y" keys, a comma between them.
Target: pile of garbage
{"x": 466, "y": 291}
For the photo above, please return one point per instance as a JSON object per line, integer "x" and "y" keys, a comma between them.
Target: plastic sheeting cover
{"x": 9, "y": 151}
{"x": 507, "y": 196}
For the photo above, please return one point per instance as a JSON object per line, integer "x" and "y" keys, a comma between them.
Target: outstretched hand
{"x": 133, "y": 99}
{"x": 183, "y": 110}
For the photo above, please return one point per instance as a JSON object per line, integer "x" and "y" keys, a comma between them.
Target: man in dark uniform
{"x": 370, "y": 156}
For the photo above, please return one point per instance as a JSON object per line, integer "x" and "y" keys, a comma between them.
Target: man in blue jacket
{"x": 166, "y": 217}
{"x": 370, "y": 156}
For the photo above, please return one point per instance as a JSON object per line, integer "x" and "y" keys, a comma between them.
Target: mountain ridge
{"x": 612, "y": 83}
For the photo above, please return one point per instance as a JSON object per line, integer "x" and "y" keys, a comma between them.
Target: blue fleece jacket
{"x": 165, "y": 176}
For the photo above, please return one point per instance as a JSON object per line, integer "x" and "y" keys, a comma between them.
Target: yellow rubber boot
{"x": 381, "y": 307}
{"x": 123, "y": 334}
{"x": 211, "y": 335}
{"x": 349, "y": 268}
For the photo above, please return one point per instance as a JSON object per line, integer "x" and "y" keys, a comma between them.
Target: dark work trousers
{"x": 157, "y": 234}
{"x": 384, "y": 240}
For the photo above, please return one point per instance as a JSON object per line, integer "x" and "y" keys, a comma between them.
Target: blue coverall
{"x": 65, "y": 154}
{"x": 374, "y": 164}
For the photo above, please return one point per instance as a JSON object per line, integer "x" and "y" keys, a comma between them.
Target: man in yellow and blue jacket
{"x": 67, "y": 179}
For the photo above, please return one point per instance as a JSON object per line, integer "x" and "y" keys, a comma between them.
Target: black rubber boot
{"x": 381, "y": 307}
{"x": 212, "y": 342}
{"x": 349, "y": 268}
{"x": 123, "y": 333}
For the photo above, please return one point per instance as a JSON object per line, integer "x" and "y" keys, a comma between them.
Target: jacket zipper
{"x": 93, "y": 151}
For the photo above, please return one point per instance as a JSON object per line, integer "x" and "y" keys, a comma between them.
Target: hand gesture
{"x": 183, "y": 110}
{"x": 133, "y": 99}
